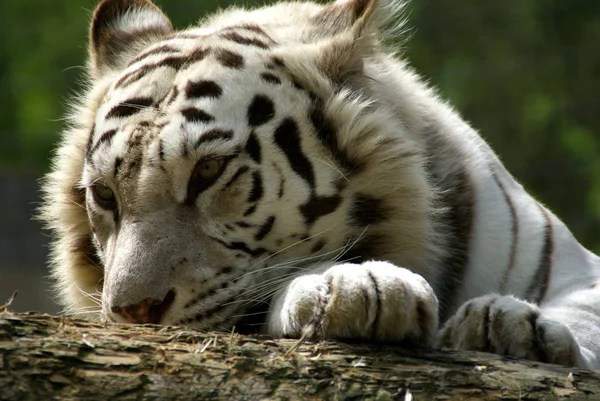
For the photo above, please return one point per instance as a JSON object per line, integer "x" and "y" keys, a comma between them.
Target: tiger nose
{"x": 149, "y": 310}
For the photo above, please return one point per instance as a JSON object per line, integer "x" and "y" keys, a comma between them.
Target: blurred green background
{"x": 525, "y": 73}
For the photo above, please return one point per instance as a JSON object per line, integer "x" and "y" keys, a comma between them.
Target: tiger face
{"x": 209, "y": 167}
{"x": 194, "y": 182}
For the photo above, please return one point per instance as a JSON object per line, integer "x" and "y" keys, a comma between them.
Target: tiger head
{"x": 205, "y": 168}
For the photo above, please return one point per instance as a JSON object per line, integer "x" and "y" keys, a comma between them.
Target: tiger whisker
{"x": 333, "y": 166}
{"x": 290, "y": 246}
{"x": 250, "y": 314}
{"x": 289, "y": 264}
{"x": 95, "y": 297}
{"x": 273, "y": 285}
{"x": 133, "y": 106}
{"x": 299, "y": 259}
{"x": 82, "y": 312}
{"x": 337, "y": 258}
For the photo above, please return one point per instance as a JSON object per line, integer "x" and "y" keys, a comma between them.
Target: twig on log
{"x": 7, "y": 306}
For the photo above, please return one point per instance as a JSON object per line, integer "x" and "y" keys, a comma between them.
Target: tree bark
{"x": 53, "y": 358}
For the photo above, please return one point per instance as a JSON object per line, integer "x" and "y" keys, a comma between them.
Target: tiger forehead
{"x": 158, "y": 74}
{"x": 191, "y": 91}
{"x": 230, "y": 47}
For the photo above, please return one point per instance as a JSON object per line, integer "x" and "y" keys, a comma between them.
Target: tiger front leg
{"x": 372, "y": 301}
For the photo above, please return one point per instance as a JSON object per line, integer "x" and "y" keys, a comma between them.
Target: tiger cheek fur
{"x": 280, "y": 170}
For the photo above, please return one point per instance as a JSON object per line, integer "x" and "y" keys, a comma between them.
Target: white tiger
{"x": 281, "y": 169}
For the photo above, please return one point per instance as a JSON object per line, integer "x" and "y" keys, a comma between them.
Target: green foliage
{"x": 525, "y": 75}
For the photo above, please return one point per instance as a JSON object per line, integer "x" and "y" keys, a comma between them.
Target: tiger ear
{"x": 343, "y": 16}
{"x": 122, "y": 28}
{"x": 339, "y": 38}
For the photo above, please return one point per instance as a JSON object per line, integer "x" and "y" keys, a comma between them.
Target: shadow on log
{"x": 44, "y": 357}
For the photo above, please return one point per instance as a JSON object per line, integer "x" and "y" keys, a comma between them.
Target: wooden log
{"x": 44, "y": 357}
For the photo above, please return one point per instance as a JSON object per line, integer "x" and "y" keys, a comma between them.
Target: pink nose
{"x": 149, "y": 310}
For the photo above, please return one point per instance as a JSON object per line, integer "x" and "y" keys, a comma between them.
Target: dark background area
{"x": 525, "y": 73}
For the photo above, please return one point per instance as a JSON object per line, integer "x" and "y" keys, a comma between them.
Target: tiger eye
{"x": 104, "y": 196}
{"x": 208, "y": 169}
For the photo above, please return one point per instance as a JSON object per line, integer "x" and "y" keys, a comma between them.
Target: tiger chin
{"x": 282, "y": 170}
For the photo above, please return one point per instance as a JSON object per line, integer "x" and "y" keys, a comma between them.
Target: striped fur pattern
{"x": 282, "y": 170}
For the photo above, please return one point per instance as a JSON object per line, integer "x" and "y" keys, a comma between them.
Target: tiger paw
{"x": 373, "y": 300}
{"x": 508, "y": 326}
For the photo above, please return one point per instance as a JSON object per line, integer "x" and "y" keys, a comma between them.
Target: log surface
{"x": 44, "y": 357}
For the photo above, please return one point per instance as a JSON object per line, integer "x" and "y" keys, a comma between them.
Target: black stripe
{"x": 242, "y": 40}
{"x": 252, "y": 28}
{"x": 214, "y": 311}
{"x": 487, "y": 343}
{"x": 327, "y": 135}
{"x": 319, "y": 206}
{"x": 130, "y": 107}
{"x": 104, "y": 138}
{"x": 161, "y": 149}
{"x": 136, "y": 75}
{"x": 194, "y": 115}
{"x": 157, "y": 50}
{"x": 250, "y": 210}
{"x": 242, "y": 170}
{"x": 118, "y": 164}
{"x": 175, "y": 62}
{"x": 538, "y": 341}
{"x": 318, "y": 246}
{"x": 277, "y": 61}
{"x": 375, "y": 325}
{"x": 90, "y": 140}
{"x": 260, "y": 111}
{"x": 214, "y": 134}
{"x": 198, "y": 317}
{"x": 287, "y": 138}
{"x": 367, "y": 210}
{"x": 515, "y": 234}
{"x": 265, "y": 228}
{"x": 541, "y": 278}
{"x": 270, "y": 78}
{"x": 204, "y": 88}
{"x": 257, "y": 188}
{"x": 457, "y": 195}
{"x": 230, "y": 59}
{"x": 132, "y": 167}
{"x": 298, "y": 86}
{"x": 213, "y": 291}
{"x": 424, "y": 317}
{"x": 497, "y": 325}
{"x": 242, "y": 246}
{"x": 253, "y": 147}
{"x": 367, "y": 248}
